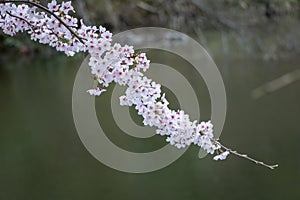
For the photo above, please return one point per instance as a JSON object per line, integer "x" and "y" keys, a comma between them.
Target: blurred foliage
{"x": 177, "y": 14}
{"x": 251, "y": 22}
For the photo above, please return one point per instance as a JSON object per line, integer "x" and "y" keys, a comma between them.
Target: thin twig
{"x": 20, "y": 18}
{"x": 47, "y": 11}
{"x": 247, "y": 157}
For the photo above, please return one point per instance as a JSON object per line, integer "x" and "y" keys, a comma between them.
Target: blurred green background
{"x": 252, "y": 42}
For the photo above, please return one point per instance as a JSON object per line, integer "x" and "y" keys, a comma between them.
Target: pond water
{"x": 42, "y": 157}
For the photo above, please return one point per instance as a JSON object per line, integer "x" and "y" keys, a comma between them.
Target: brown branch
{"x": 47, "y": 11}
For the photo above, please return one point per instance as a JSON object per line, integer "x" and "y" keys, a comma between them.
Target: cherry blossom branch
{"x": 246, "y": 157}
{"x": 47, "y": 11}
{"x": 112, "y": 63}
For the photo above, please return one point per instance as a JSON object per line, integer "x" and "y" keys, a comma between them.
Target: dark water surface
{"x": 42, "y": 157}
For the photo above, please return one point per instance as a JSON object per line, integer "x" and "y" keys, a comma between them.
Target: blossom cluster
{"x": 53, "y": 25}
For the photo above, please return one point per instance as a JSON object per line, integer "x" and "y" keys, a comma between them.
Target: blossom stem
{"x": 247, "y": 157}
